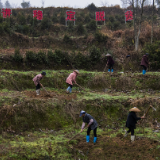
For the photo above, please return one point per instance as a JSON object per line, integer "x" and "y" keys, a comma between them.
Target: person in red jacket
{"x": 37, "y": 83}
{"x": 71, "y": 79}
{"x": 145, "y": 63}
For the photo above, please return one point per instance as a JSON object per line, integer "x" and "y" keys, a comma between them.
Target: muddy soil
{"x": 119, "y": 148}
{"x": 51, "y": 95}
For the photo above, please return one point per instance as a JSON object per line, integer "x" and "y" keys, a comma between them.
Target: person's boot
{"x": 67, "y": 91}
{"x": 112, "y": 70}
{"x": 143, "y": 72}
{"x": 94, "y": 140}
{"x": 38, "y": 92}
{"x": 70, "y": 90}
{"x": 126, "y": 134}
{"x": 87, "y": 138}
{"x": 132, "y": 138}
{"x": 108, "y": 70}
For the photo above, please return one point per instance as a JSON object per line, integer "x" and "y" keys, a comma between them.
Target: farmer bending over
{"x": 92, "y": 125}
{"x": 37, "y": 83}
{"x": 145, "y": 63}
{"x": 110, "y": 62}
{"x": 71, "y": 79}
{"x": 131, "y": 122}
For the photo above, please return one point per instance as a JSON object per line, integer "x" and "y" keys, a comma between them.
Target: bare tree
{"x": 7, "y": 4}
{"x": 104, "y": 3}
{"x": 1, "y": 4}
{"x": 43, "y": 3}
{"x": 137, "y": 7}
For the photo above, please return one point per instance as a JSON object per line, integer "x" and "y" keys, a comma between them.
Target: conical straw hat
{"x": 135, "y": 109}
{"x": 77, "y": 71}
{"x": 108, "y": 55}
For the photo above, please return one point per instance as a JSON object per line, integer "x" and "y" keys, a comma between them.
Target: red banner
{"x": 70, "y": 16}
{"x": 129, "y": 15}
{"x": 38, "y": 14}
{"x": 100, "y": 16}
{"x": 6, "y": 12}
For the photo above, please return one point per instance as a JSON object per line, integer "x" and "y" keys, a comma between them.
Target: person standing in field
{"x": 110, "y": 62}
{"x": 131, "y": 122}
{"x": 145, "y": 63}
{"x": 37, "y": 83}
{"x": 71, "y": 79}
{"x": 92, "y": 125}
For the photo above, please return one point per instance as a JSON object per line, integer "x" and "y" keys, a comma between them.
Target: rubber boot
{"x": 67, "y": 91}
{"x": 38, "y": 92}
{"x": 126, "y": 134}
{"x": 94, "y": 140}
{"x": 112, "y": 70}
{"x": 108, "y": 70}
{"x": 143, "y": 72}
{"x": 70, "y": 90}
{"x": 87, "y": 138}
{"x": 132, "y": 138}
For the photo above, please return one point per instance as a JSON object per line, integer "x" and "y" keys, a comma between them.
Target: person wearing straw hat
{"x": 145, "y": 63}
{"x": 71, "y": 79}
{"x": 37, "y": 83}
{"x": 110, "y": 62}
{"x": 92, "y": 125}
{"x": 131, "y": 122}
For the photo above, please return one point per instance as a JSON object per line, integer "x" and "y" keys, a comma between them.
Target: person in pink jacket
{"x": 37, "y": 83}
{"x": 71, "y": 79}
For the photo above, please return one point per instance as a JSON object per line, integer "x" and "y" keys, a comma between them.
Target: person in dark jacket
{"x": 144, "y": 63}
{"x": 92, "y": 125}
{"x": 110, "y": 63}
{"x": 131, "y": 122}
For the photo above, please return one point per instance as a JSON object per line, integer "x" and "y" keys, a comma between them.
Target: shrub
{"x": 66, "y": 39}
{"x": 59, "y": 57}
{"x": 26, "y": 29}
{"x": 70, "y": 26}
{"x": 87, "y": 19}
{"x": 41, "y": 57}
{"x": 81, "y": 61}
{"x": 31, "y": 56}
{"x": 6, "y": 27}
{"x": 1, "y": 29}
{"x": 99, "y": 37}
{"x": 80, "y": 29}
{"x": 111, "y": 19}
{"x": 45, "y": 23}
{"x": 50, "y": 56}
{"x": 17, "y": 57}
{"x": 1, "y": 19}
{"x": 55, "y": 19}
{"x": 21, "y": 19}
{"x": 94, "y": 55}
{"x": 92, "y": 25}
{"x": 62, "y": 19}
{"x": 154, "y": 54}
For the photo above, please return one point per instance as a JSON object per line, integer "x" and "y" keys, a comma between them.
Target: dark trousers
{"x": 94, "y": 131}
{"x": 144, "y": 67}
{"x": 110, "y": 66}
{"x": 38, "y": 86}
{"x": 131, "y": 130}
{"x": 70, "y": 85}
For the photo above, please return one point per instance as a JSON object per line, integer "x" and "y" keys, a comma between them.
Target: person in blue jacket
{"x": 131, "y": 122}
{"x": 92, "y": 125}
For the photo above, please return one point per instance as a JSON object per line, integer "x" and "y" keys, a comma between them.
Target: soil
{"x": 119, "y": 148}
{"x": 44, "y": 95}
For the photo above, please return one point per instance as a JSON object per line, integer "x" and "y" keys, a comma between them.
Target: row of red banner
{"x": 70, "y": 15}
